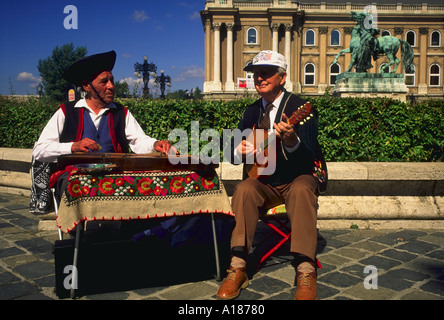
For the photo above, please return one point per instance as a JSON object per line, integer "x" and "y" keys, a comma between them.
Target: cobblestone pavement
{"x": 356, "y": 265}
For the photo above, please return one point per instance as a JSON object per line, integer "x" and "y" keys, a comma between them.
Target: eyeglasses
{"x": 264, "y": 73}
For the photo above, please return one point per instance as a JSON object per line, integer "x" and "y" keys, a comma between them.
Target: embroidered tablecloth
{"x": 140, "y": 195}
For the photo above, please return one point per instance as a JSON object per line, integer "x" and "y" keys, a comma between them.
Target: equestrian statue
{"x": 364, "y": 45}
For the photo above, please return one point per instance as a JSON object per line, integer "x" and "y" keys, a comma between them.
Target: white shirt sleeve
{"x": 139, "y": 142}
{"x": 294, "y": 148}
{"x": 48, "y": 147}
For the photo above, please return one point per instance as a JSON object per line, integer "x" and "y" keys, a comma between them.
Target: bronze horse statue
{"x": 364, "y": 44}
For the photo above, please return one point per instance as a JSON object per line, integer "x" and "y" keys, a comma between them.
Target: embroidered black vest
{"x": 73, "y": 129}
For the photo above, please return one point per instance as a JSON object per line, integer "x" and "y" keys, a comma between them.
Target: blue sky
{"x": 169, "y": 32}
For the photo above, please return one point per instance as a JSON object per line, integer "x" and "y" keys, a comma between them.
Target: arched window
{"x": 335, "y": 69}
{"x": 252, "y": 36}
{"x": 410, "y": 37}
{"x": 309, "y": 37}
{"x": 335, "y": 38}
{"x": 435, "y": 75}
{"x": 410, "y": 78}
{"x": 309, "y": 74}
{"x": 435, "y": 39}
{"x": 385, "y": 33}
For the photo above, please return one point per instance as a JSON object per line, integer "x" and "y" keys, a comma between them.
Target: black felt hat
{"x": 85, "y": 68}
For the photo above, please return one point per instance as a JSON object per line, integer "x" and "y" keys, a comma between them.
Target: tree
{"x": 180, "y": 94}
{"x": 197, "y": 93}
{"x": 122, "y": 90}
{"x": 52, "y": 68}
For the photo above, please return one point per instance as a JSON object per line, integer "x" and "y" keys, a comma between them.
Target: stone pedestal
{"x": 370, "y": 85}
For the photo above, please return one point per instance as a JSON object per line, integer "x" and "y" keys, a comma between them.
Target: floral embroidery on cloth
{"x": 319, "y": 172}
{"x": 277, "y": 210}
{"x": 135, "y": 185}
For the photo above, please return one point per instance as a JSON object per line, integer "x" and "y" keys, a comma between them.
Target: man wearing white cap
{"x": 299, "y": 175}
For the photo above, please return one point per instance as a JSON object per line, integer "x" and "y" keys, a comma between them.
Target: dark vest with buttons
{"x": 110, "y": 134}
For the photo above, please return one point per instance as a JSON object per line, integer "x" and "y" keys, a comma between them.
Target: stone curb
{"x": 357, "y": 190}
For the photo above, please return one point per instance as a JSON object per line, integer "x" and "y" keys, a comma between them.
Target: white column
{"x": 229, "y": 85}
{"x": 275, "y": 29}
{"x": 288, "y": 28}
{"x": 216, "y": 75}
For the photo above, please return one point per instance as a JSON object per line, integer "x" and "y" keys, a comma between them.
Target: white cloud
{"x": 136, "y": 83}
{"x": 127, "y": 55}
{"x": 139, "y": 16}
{"x": 195, "y": 15}
{"x": 29, "y": 78}
{"x": 186, "y": 4}
{"x": 189, "y": 73}
{"x": 132, "y": 82}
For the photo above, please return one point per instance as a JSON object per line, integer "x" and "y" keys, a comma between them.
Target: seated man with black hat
{"x": 94, "y": 123}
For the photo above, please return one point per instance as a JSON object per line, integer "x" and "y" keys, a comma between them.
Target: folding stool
{"x": 283, "y": 230}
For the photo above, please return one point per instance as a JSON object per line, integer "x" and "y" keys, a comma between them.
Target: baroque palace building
{"x": 310, "y": 34}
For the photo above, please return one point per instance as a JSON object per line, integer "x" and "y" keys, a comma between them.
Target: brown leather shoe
{"x": 306, "y": 283}
{"x": 230, "y": 288}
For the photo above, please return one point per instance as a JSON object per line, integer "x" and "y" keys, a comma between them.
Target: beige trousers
{"x": 253, "y": 197}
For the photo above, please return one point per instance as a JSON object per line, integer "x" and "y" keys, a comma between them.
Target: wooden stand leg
{"x": 74, "y": 283}
{"x": 56, "y": 207}
{"x": 216, "y": 249}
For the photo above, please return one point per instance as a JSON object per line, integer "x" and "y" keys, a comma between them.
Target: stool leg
{"x": 56, "y": 207}
{"x": 269, "y": 253}
{"x": 285, "y": 236}
{"x": 216, "y": 249}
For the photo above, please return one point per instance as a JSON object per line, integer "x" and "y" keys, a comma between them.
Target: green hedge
{"x": 351, "y": 129}
{"x": 22, "y": 121}
{"x": 381, "y": 129}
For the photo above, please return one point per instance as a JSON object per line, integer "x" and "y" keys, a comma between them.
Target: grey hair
{"x": 281, "y": 71}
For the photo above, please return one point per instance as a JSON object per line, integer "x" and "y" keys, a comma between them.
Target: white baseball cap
{"x": 267, "y": 58}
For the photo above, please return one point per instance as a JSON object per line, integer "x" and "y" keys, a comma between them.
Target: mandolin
{"x": 266, "y": 144}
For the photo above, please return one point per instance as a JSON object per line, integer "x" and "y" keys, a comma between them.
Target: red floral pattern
{"x": 319, "y": 172}
{"x": 207, "y": 184}
{"x": 176, "y": 185}
{"x": 134, "y": 184}
{"x": 74, "y": 189}
{"x": 144, "y": 186}
{"x": 106, "y": 186}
